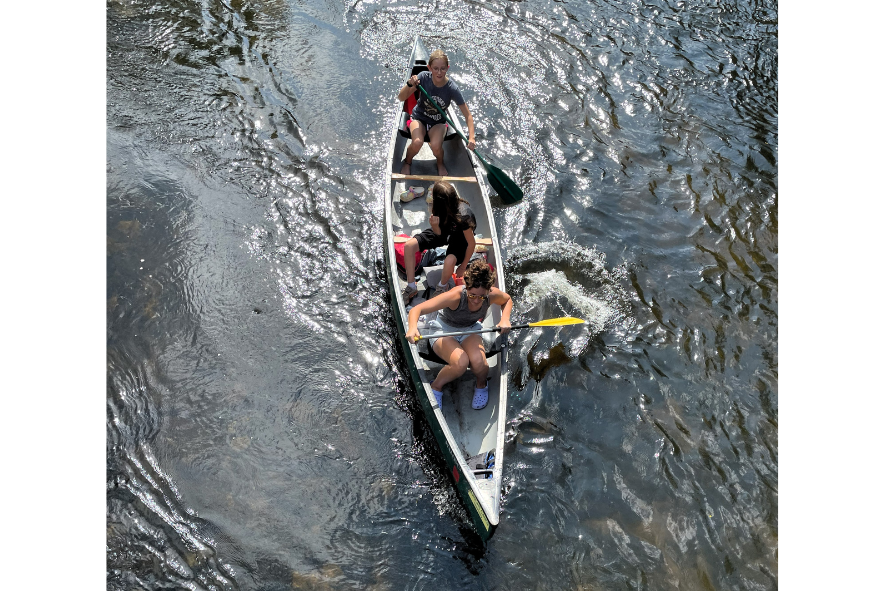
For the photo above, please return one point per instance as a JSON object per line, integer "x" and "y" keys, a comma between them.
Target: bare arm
{"x": 469, "y": 252}
{"x": 470, "y": 120}
{"x": 447, "y": 299}
{"x": 407, "y": 90}
{"x": 497, "y": 296}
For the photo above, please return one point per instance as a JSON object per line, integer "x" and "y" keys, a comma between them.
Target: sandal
{"x": 412, "y": 193}
{"x": 481, "y": 397}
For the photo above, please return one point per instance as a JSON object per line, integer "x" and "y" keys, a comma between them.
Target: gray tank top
{"x": 462, "y": 317}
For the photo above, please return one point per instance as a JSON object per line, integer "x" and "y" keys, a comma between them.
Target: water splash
{"x": 574, "y": 279}
{"x": 542, "y": 285}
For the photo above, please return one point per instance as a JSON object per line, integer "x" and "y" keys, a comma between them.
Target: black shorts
{"x": 458, "y": 246}
{"x": 427, "y": 124}
{"x": 427, "y": 239}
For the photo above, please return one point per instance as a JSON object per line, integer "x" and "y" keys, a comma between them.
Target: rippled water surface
{"x": 262, "y": 430}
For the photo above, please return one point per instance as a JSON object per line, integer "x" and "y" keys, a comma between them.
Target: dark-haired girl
{"x": 463, "y": 309}
{"x": 453, "y": 223}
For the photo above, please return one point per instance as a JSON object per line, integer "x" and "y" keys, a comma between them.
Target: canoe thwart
{"x": 480, "y": 242}
{"x": 396, "y": 176}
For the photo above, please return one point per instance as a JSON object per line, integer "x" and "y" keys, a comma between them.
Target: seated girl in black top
{"x": 452, "y": 223}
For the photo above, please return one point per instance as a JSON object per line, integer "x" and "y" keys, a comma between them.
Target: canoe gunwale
{"x": 486, "y": 515}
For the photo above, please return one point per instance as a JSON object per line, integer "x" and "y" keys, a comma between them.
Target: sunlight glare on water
{"x": 262, "y": 427}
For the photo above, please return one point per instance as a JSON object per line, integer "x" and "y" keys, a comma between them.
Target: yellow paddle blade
{"x": 557, "y": 321}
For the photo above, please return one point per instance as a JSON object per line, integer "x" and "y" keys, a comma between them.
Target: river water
{"x": 262, "y": 431}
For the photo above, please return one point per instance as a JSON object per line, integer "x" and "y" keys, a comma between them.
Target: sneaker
{"x": 438, "y": 290}
{"x": 439, "y": 396}
{"x": 481, "y": 397}
{"x": 412, "y": 193}
{"x": 408, "y": 293}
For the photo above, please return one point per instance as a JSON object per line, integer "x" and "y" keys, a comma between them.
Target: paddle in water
{"x": 507, "y": 189}
{"x": 540, "y": 324}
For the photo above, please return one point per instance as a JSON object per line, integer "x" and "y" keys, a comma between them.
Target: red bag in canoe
{"x": 399, "y": 249}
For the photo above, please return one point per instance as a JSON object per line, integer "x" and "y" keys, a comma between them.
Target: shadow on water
{"x": 540, "y": 364}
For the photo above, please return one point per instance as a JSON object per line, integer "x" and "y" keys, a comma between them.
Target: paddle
{"x": 507, "y": 189}
{"x": 540, "y": 324}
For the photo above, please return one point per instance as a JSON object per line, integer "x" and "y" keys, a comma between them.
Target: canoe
{"x": 471, "y": 441}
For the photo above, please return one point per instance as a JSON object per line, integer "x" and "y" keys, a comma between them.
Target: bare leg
{"x": 448, "y": 268}
{"x": 448, "y": 349}
{"x": 435, "y": 138}
{"x": 476, "y": 353}
{"x": 417, "y": 130}
{"x": 409, "y": 250}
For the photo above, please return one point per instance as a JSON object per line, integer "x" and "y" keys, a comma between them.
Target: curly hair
{"x": 479, "y": 274}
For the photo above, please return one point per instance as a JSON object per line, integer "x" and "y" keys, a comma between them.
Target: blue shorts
{"x": 438, "y": 326}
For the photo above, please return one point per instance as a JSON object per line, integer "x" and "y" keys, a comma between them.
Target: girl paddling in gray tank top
{"x": 463, "y": 308}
